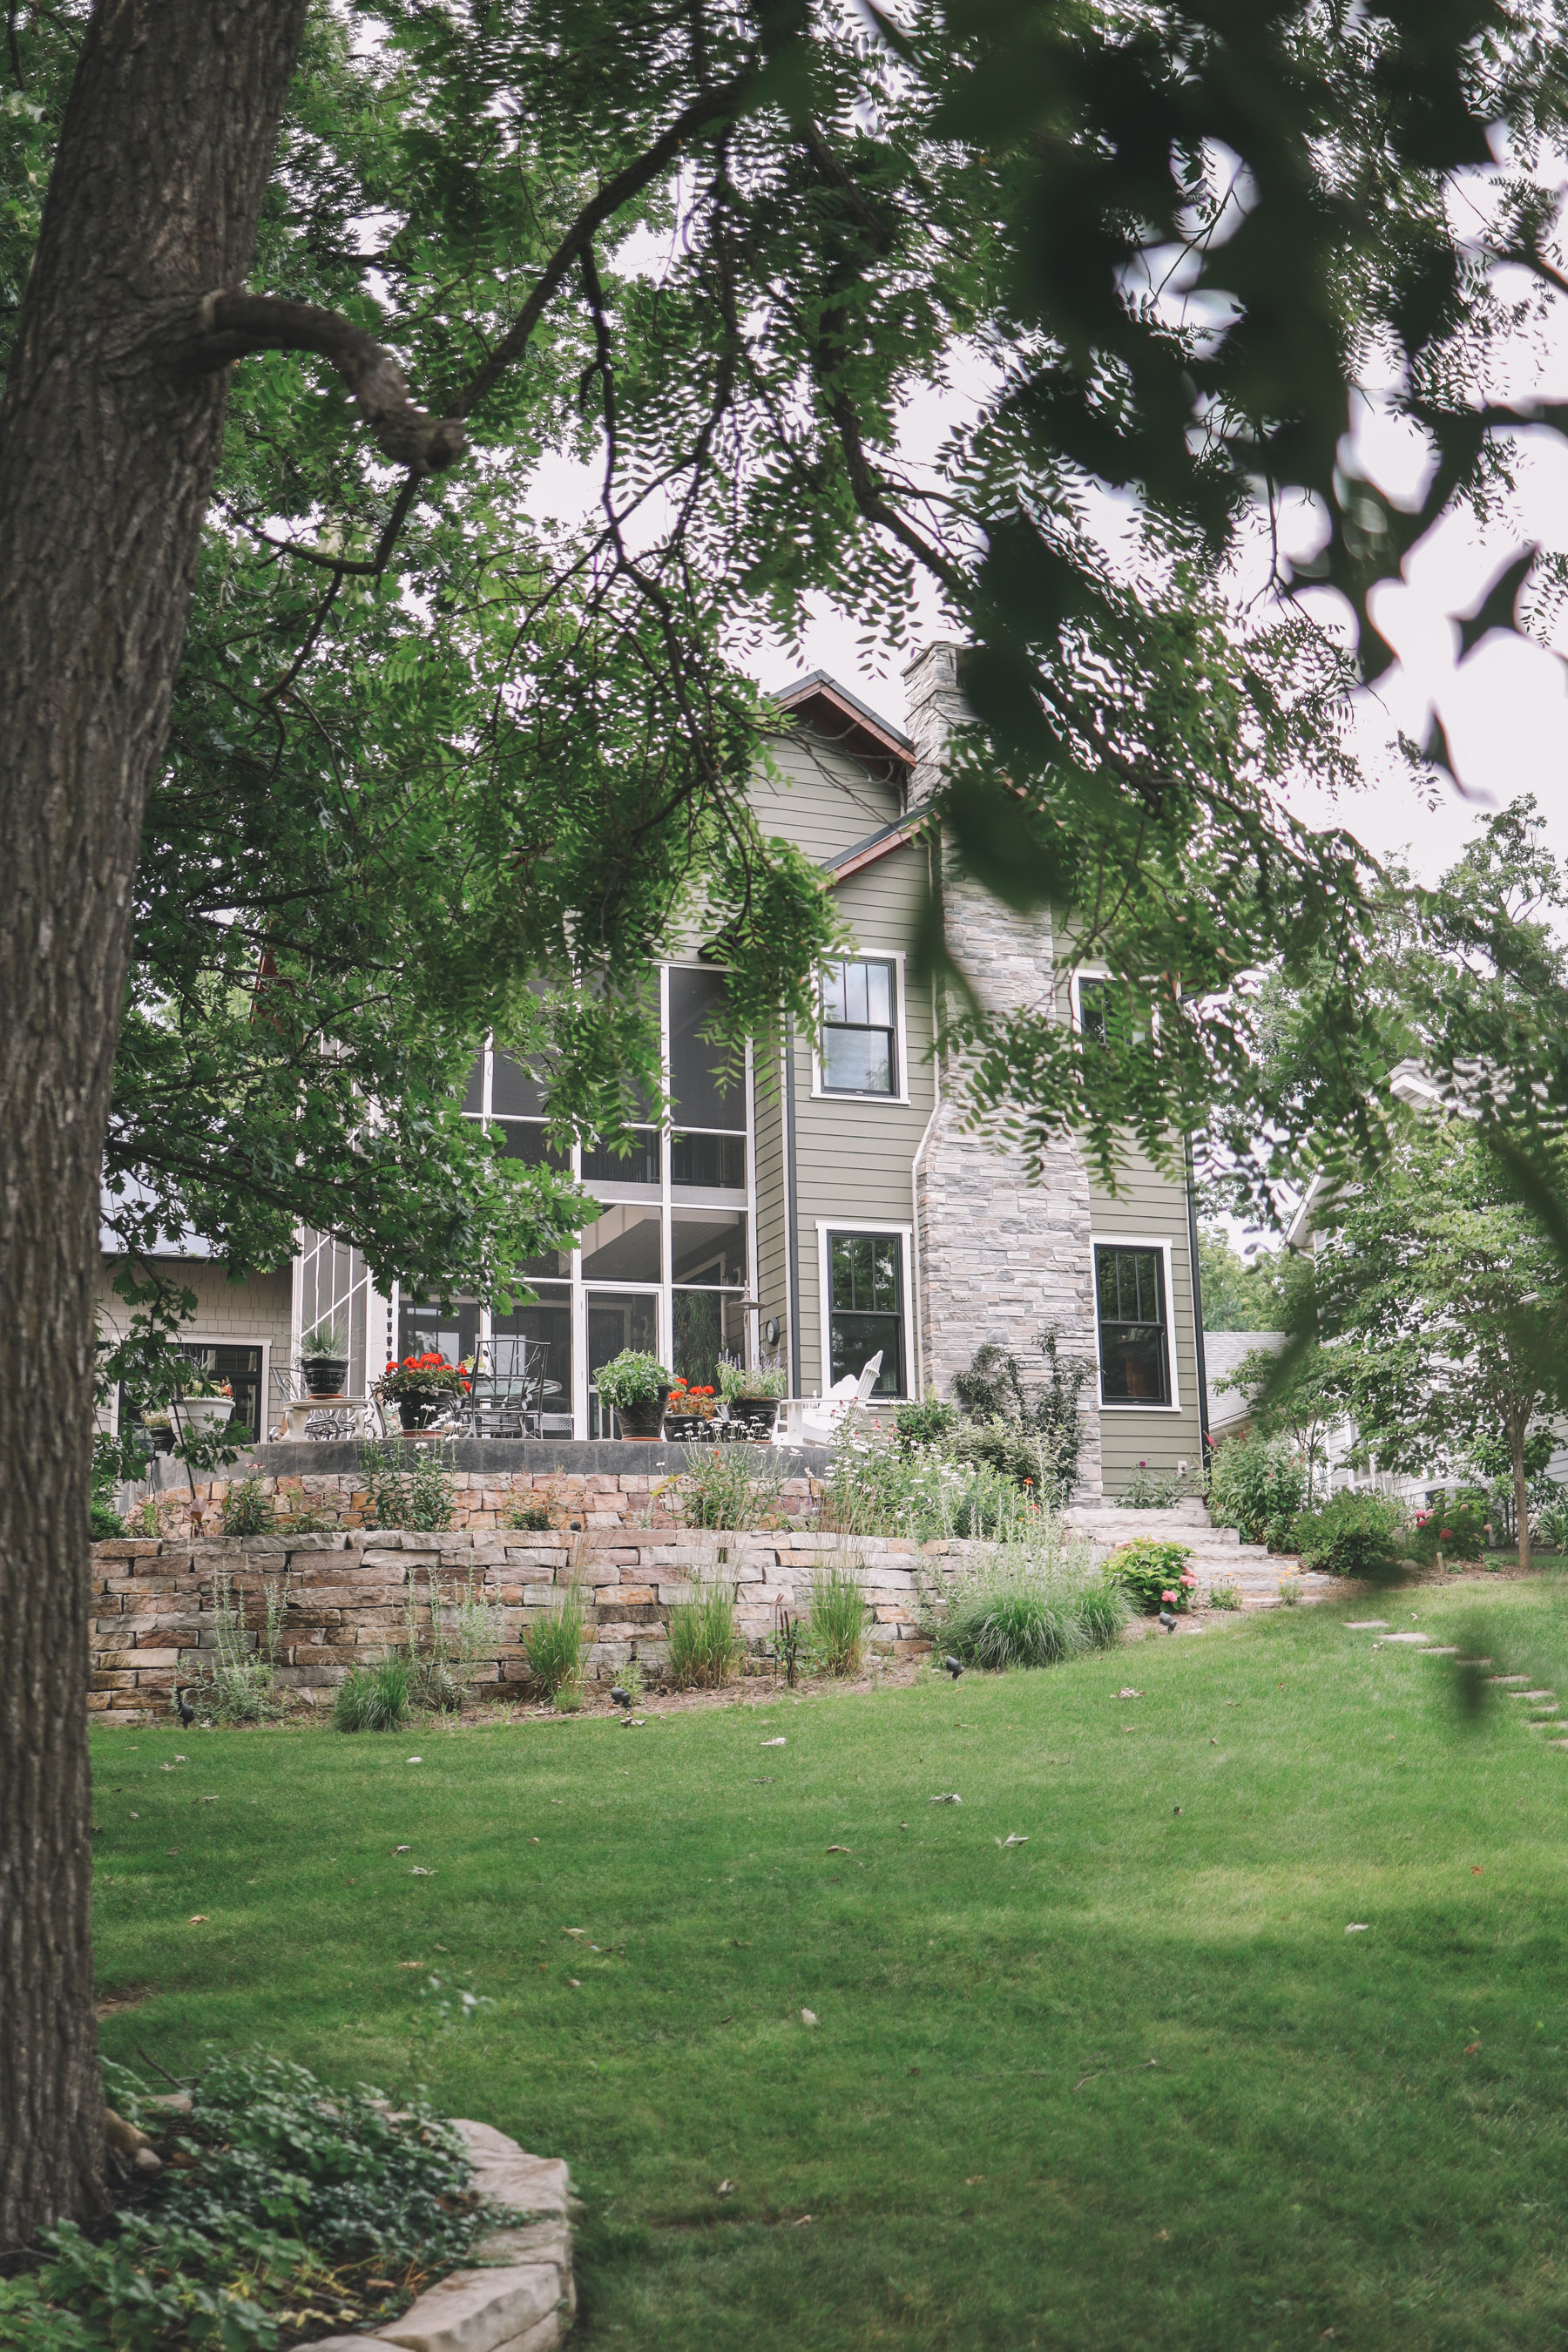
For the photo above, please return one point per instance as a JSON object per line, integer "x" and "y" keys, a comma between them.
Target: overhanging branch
{"x": 232, "y": 326}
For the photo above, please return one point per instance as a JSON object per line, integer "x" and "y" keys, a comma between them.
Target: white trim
{"x": 1097, "y": 1241}
{"x": 1075, "y": 1002}
{"x": 819, "y": 1093}
{"x": 850, "y": 1224}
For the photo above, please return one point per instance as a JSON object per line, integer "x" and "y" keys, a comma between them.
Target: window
{"x": 1135, "y": 1335}
{"x": 1093, "y": 1002}
{"x": 866, "y": 1306}
{"x": 859, "y": 1023}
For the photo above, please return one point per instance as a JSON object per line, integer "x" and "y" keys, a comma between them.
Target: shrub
{"x": 244, "y": 1509}
{"x": 106, "y": 1523}
{"x": 374, "y": 1698}
{"x": 724, "y": 1486}
{"x": 1037, "y": 1602}
{"x": 241, "y": 1684}
{"x": 836, "y": 1624}
{"x": 1549, "y": 1519}
{"x": 286, "y": 2206}
{"x": 1256, "y": 1484}
{"x": 463, "y": 1628}
{"x": 554, "y": 1646}
{"x": 876, "y": 1489}
{"x": 703, "y": 1644}
{"x": 531, "y": 1518}
{"x": 421, "y": 1500}
{"x": 1352, "y": 1535}
{"x": 993, "y": 1390}
{"x": 931, "y": 1423}
{"x": 1154, "y": 1576}
{"x": 1455, "y": 1530}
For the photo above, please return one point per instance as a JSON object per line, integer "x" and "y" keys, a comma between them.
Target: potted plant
{"x": 322, "y": 1358}
{"x": 419, "y": 1386}
{"x": 690, "y": 1414}
{"x": 753, "y": 1393}
{"x": 635, "y": 1387}
{"x": 202, "y": 1406}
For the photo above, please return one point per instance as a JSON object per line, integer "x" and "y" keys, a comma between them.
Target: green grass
{"x": 1129, "y": 2085}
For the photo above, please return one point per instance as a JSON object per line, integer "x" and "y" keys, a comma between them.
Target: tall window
{"x": 663, "y": 1264}
{"x": 1134, "y": 1331}
{"x": 859, "y": 1026}
{"x": 866, "y": 1306}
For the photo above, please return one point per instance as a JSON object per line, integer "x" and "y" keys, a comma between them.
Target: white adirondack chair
{"x": 841, "y": 1407}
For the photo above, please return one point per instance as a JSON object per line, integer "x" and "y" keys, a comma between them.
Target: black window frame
{"x": 893, "y": 1090}
{"x": 1136, "y": 1324}
{"x": 892, "y": 1380}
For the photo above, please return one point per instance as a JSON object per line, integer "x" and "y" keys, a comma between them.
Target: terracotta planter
{"x": 326, "y": 1375}
{"x": 642, "y": 1423}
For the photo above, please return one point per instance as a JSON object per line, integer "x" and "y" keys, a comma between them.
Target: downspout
{"x": 1197, "y": 1309}
{"x": 915, "y": 1212}
{"x": 791, "y": 1236}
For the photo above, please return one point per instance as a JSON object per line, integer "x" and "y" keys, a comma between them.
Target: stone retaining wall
{"x": 349, "y": 1595}
{"x": 584, "y": 1487}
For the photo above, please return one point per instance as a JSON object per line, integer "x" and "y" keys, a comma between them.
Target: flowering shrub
{"x": 421, "y": 1376}
{"x": 1256, "y": 1484}
{"x": 1455, "y": 1530}
{"x": 1154, "y": 1576}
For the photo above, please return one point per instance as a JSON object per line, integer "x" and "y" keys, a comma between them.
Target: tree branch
{"x": 708, "y": 106}
{"x": 231, "y": 326}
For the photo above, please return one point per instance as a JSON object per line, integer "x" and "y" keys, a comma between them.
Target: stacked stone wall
{"x": 1001, "y": 1254}
{"x": 349, "y": 1598}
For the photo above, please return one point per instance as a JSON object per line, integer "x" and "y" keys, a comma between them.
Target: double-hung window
{"x": 865, "y": 1307}
{"x": 859, "y": 1052}
{"x": 1134, "y": 1324}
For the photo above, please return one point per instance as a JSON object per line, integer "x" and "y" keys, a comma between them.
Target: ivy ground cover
{"x": 1129, "y": 2082}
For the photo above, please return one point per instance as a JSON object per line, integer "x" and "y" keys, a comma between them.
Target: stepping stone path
{"x": 1548, "y": 1716}
{"x": 520, "y": 2295}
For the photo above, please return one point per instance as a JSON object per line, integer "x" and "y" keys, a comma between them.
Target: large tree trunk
{"x": 106, "y": 457}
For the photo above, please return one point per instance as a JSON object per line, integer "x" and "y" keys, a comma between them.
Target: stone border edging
{"x": 518, "y": 2294}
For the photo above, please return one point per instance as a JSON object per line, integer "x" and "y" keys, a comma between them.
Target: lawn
{"x": 1129, "y": 2083}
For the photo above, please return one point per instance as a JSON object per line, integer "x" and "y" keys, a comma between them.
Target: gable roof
{"x": 843, "y": 720}
{"x": 866, "y": 852}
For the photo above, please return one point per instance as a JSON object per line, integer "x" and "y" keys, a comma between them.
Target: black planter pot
{"x": 644, "y": 1422}
{"x": 418, "y": 1408}
{"x": 326, "y": 1375}
{"x": 756, "y": 1415}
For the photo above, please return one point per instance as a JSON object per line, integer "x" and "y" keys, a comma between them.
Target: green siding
{"x": 855, "y": 1158}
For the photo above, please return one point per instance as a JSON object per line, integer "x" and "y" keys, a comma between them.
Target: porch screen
{"x": 1135, "y": 1335}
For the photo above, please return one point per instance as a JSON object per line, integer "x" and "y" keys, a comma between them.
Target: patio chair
{"x": 841, "y": 1408}
{"x": 508, "y": 1387}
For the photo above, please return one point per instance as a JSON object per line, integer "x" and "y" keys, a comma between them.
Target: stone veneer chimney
{"x": 999, "y": 1258}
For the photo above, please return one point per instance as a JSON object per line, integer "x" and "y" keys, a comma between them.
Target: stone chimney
{"x": 999, "y": 1258}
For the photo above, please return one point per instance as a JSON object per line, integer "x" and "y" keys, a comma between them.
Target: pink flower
{"x": 1170, "y": 1596}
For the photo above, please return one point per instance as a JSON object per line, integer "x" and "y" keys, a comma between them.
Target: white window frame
{"x": 850, "y": 1224}
{"x": 819, "y": 1093}
{"x": 1145, "y": 1242}
{"x": 1074, "y": 999}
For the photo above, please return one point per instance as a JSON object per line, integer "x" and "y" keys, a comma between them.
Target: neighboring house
{"x": 828, "y": 1202}
{"x": 1225, "y": 1352}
